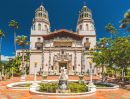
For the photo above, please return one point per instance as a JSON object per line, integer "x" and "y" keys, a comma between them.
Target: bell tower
{"x": 85, "y": 24}
{"x": 40, "y": 26}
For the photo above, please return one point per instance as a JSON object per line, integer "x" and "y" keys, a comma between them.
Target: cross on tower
{"x": 84, "y": 3}
{"x": 41, "y": 3}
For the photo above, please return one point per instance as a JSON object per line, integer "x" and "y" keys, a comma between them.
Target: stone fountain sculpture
{"x": 63, "y": 82}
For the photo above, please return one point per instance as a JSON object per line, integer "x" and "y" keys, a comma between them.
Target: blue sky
{"x": 63, "y": 14}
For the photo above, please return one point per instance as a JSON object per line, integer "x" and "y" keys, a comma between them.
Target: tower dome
{"x": 85, "y": 24}
{"x": 41, "y": 15}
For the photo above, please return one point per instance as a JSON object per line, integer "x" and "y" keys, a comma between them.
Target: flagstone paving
{"x": 24, "y": 94}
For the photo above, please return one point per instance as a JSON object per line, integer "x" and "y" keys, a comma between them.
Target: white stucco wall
{"x": 35, "y": 57}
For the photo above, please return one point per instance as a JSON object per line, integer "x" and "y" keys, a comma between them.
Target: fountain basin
{"x": 33, "y": 90}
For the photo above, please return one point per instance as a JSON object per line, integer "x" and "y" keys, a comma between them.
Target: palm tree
{"x": 126, "y": 21}
{"x": 1, "y": 35}
{"x": 14, "y": 25}
{"x": 21, "y": 40}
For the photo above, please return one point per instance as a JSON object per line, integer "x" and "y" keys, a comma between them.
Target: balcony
{"x": 59, "y": 43}
{"x": 38, "y": 44}
{"x": 87, "y": 44}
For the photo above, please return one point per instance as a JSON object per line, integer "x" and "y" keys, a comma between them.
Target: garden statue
{"x": 63, "y": 82}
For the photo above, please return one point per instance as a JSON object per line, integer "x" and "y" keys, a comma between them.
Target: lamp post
{"x": 12, "y": 72}
{"x": 35, "y": 85}
{"x": 2, "y": 70}
{"x": 91, "y": 86}
{"x": 90, "y": 71}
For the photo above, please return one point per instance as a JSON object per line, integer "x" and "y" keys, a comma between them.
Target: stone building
{"x": 62, "y": 48}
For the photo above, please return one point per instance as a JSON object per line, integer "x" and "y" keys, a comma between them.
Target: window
{"x": 87, "y": 39}
{"x": 46, "y": 27}
{"x": 39, "y": 26}
{"x": 44, "y": 15}
{"x": 41, "y": 14}
{"x": 90, "y": 15}
{"x": 62, "y": 52}
{"x": 57, "y": 37}
{"x": 34, "y": 27}
{"x": 39, "y": 39}
{"x": 86, "y": 27}
{"x": 38, "y": 48}
{"x": 52, "y": 67}
{"x": 91, "y": 27}
{"x": 85, "y": 15}
{"x": 87, "y": 48}
{"x": 80, "y": 27}
{"x": 68, "y": 38}
{"x": 18, "y": 53}
{"x": 82, "y": 15}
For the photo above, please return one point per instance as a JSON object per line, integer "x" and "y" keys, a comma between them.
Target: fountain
{"x": 62, "y": 87}
{"x": 63, "y": 82}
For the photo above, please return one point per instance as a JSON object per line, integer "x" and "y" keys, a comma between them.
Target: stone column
{"x": 75, "y": 62}
{"x": 49, "y": 61}
{"x": 43, "y": 58}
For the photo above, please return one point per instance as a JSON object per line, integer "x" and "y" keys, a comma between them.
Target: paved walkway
{"x": 19, "y": 94}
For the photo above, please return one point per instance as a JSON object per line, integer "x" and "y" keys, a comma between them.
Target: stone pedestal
{"x": 35, "y": 85}
{"x": 81, "y": 81}
{"x": 22, "y": 78}
{"x": 91, "y": 87}
{"x": 44, "y": 81}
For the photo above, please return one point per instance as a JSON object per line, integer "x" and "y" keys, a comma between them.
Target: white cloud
{"x": 128, "y": 9}
{"x": 5, "y": 58}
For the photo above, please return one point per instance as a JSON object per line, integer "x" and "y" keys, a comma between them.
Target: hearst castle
{"x": 62, "y": 48}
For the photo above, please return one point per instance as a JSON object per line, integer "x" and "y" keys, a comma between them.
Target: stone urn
{"x": 81, "y": 77}
{"x": 81, "y": 81}
{"x": 44, "y": 77}
{"x": 44, "y": 81}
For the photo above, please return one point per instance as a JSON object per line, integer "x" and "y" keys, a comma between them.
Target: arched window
{"x": 46, "y": 27}
{"x": 80, "y": 27}
{"x": 34, "y": 27}
{"x": 87, "y": 14}
{"x": 82, "y": 15}
{"x": 90, "y": 15}
{"x": 41, "y": 8}
{"x": 91, "y": 27}
{"x": 38, "y": 39}
{"x": 86, "y": 27}
{"x": 39, "y": 14}
{"x": 39, "y": 26}
{"x": 44, "y": 16}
